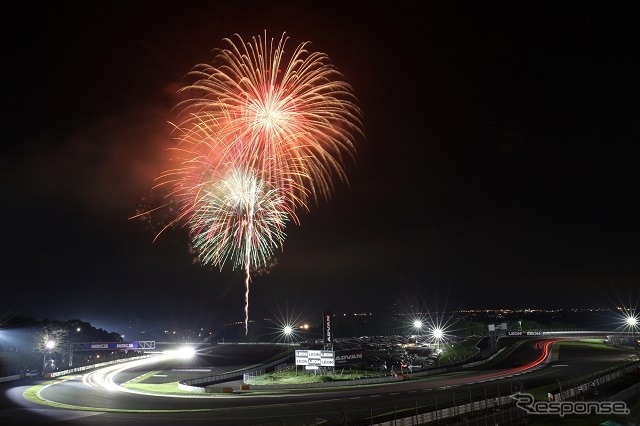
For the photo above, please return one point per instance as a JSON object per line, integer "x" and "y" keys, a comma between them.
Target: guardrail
{"x": 387, "y": 378}
{"x": 10, "y": 378}
{"x": 220, "y": 378}
{"x": 572, "y": 388}
{"x": 76, "y": 369}
{"x": 93, "y": 366}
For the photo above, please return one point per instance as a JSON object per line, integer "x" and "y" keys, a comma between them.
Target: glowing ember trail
{"x": 240, "y": 219}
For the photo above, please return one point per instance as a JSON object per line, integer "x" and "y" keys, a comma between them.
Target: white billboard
{"x": 315, "y": 358}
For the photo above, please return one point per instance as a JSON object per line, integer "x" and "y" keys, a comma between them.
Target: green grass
{"x": 165, "y": 388}
{"x": 501, "y": 356}
{"x": 31, "y": 394}
{"x": 592, "y": 344}
{"x": 169, "y": 388}
{"x": 458, "y": 351}
{"x": 541, "y": 393}
{"x": 291, "y": 376}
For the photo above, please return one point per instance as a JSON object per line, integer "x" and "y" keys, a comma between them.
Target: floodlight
{"x": 185, "y": 352}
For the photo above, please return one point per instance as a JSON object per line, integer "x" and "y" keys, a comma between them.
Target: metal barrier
{"x": 94, "y": 366}
{"x": 574, "y": 387}
{"x": 219, "y": 378}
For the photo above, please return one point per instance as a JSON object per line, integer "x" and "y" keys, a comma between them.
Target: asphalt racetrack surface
{"x": 97, "y": 397}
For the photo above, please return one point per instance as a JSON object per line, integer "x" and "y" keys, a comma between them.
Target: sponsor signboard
{"x": 349, "y": 357}
{"x": 327, "y": 359}
{"x": 302, "y": 357}
{"x": 326, "y": 327}
{"x": 494, "y": 327}
{"x": 315, "y": 358}
{"x": 524, "y": 333}
{"x": 113, "y": 346}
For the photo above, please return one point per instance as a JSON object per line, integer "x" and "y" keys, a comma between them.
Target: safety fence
{"x": 375, "y": 378}
{"x": 576, "y": 387}
{"x": 442, "y": 406}
{"x": 231, "y": 376}
{"x": 9, "y": 370}
{"x": 94, "y": 366}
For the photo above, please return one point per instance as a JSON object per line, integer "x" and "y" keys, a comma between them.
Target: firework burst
{"x": 237, "y": 218}
{"x": 258, "y": 137}
{"x": 241, "y": 219}
{"x": 293, "y": 120}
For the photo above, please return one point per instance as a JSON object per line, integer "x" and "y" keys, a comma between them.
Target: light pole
{"x": 287, "y": 331}
{"x": 78, "y": 330}
{"x": 437, "y": 335}
{"x": 48, "y": 346}
{"x": 417, "y": 324}
{"x": 632, "y": 322}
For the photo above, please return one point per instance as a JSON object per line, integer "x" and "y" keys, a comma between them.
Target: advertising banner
{"x": 315, "y": 358}
{"x": 326, "y": 327}
{"x": 112, "y": 346}
{"x": 349, "y": 357}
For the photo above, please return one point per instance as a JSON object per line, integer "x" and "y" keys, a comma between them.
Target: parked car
{"x": 33, "y": 373}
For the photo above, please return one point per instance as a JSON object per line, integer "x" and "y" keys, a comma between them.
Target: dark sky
{"x": 499, "y": 168}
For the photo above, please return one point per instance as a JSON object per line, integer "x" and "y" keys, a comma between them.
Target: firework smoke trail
{"x": 258, "y": 138}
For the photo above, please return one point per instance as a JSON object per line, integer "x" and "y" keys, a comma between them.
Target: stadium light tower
{"x": 287, "y": 333}
{"x": 437, "y": 335}
{"x": 632, "y": 322}
{"x": 287, "y": 330}
{"x": 417, "y": 324}
{"x": 48, "y": 346}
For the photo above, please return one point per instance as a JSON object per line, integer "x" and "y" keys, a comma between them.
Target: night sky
{"x": 499, "y": 167}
